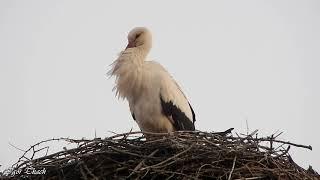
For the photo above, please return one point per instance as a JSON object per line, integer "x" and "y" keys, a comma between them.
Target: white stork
{"x": 156, "y": 101}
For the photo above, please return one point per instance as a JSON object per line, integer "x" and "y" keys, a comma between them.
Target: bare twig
{"x": 177, "y": 155}
{"x": 233, "y": 164}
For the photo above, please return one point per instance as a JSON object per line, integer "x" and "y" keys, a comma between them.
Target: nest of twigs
{"x": 178, "y": 155}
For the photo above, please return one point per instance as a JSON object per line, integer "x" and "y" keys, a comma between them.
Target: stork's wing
{"x": 132, "y": 113}
{"x": 193, "y": 114}
{"x": 179, "y": 119}
{"x": 133, "y": 116}
{"x": 175, "y": 104}
{"x": 192, "y": 111}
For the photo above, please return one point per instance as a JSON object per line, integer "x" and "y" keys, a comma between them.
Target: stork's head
{"x": 140, "y": 37}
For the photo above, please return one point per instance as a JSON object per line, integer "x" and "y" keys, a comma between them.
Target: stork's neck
{"x": 127, "y": 69}
{"x": 136, "y": 55}
{"x": 143, "y": 50}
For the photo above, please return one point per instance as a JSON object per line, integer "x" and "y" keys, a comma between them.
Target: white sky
{"x": 235, "y": 60}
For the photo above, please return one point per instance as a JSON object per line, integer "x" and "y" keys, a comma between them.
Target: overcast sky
{"x": 235, "y": 60}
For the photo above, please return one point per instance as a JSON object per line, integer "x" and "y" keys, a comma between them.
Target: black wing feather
{"x": 133, "y": 116}
{"x": 181, "y": 121}
{"x": 193, "y": 114}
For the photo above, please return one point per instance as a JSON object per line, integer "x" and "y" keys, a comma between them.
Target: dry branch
{"x": 178, "y": 155}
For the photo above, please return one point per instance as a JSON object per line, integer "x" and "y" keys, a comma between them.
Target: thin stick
{"x": 233, "y": 164}
{"x": 16, "y": 147}
{"x": 140, "y": 164}
{"x": 169, "y": 159}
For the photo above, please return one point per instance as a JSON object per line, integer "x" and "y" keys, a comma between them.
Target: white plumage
{"x": 156, "y": 101}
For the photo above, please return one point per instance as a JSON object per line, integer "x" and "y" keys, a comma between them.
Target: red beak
{"x": 130, "y": 45}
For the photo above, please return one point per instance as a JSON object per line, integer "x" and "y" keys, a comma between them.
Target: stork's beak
{"x": 130, "y": 45}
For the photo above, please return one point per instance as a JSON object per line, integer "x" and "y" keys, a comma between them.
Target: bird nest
{"x": 177, "y": 155}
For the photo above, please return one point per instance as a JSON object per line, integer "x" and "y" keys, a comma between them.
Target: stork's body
{"x": 156, "y": 101}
